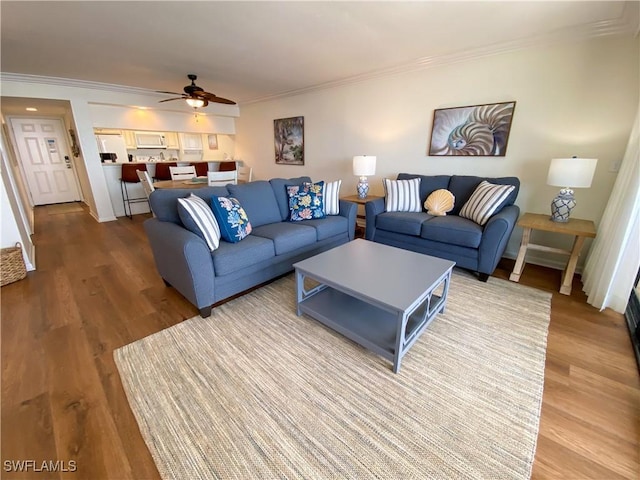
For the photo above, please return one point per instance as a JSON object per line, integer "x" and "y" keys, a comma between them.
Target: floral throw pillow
{"x": 306, "y": 201}
{"x": 232, "y": 219}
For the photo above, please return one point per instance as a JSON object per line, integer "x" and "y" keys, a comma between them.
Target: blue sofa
{"x": 471, "y": 246}
{"x": 203, "y": 277}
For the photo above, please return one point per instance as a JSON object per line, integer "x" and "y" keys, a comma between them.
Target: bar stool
{"x": 162, "y": 171}
{"x": 129, "y": 175}
{"x": 226, "y": 166}
{"x": 201, "y": 168}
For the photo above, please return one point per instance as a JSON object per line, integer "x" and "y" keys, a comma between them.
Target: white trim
{"x": 15, "y": 204}
{"x": 74, "y": 83}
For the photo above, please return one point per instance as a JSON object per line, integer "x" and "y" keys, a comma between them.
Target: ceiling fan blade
{"x": 196, "y": 92}
{"x": 214, "y": 98}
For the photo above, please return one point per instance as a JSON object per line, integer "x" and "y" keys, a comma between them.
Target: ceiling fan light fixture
{"x": 195, "y": 96}
{"x": 195, "y": 102}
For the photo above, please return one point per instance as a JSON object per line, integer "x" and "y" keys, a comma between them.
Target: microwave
{"x": 150, "y": 140}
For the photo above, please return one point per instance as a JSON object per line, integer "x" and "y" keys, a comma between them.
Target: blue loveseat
{"x": 185, "y": 262}
{"x": 471, "y": 246}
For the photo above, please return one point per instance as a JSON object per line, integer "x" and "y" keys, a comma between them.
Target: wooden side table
{"x": 581, "y": 229}
{"x": 360, "y": 201}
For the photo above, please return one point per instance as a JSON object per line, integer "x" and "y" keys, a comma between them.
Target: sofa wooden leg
{"x": 205, "y": 311}
{"x": 483, "y": 276}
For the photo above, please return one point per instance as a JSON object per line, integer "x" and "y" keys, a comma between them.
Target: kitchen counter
{"x": 112, "y": 177}
{"x": 187, "y": 162}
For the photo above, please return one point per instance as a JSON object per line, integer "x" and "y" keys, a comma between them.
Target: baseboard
{"x": 632, "y": 316}
{"x": 30, "y": 264}
{"x": 111, "y": 218}
{"x": 543, "y": 261}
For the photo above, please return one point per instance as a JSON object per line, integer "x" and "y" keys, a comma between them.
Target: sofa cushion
{"x": 452, "y": 230}
{"x": 164, "y": 202}
{"x": 486, "y": 200}
{"x": 287, "y": 236}
{"x": 329, "y": 226}
{"x": 306, "y": 201}
{"x": 462, "y": 186}
{"x": 258, "y": 200}
{"x": 231, "y": 217}
{"x": 332, "y": 197}
{"x": 231, "y": 257}
{"x": 402, "y": 195}
{"x": 197, "y": 217}
{"x": 279, "y": 187}
{"x": 428, "y": 183}
{"x": 409, "y": 223}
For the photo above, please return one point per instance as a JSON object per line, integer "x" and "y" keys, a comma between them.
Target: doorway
{"x": 44, "y": 156}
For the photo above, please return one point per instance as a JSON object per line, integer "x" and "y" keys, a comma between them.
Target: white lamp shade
{"x": 571, "y": 172}
{"x": 364, "y": 165}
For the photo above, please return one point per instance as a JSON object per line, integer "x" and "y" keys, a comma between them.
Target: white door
{"x": 44, "y": 155}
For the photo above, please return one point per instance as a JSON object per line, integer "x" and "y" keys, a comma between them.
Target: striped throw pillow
{"x": 402, "y": 195}
{"x": 197, "y": 217}
{"x": 487, "y": 200}
{"x": 332, "y": 197}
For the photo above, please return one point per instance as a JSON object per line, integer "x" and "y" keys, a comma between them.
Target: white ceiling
{"x": 248, "y": 51}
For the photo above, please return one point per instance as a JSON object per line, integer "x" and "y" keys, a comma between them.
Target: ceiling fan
{"x": 195, "y": 96}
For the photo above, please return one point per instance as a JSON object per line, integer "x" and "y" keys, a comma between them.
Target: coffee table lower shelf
{"x": 369, "y": 325}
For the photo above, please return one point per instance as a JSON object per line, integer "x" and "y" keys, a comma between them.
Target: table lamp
{"x": 568, "y": 173}
{"x": 364, "y": 165}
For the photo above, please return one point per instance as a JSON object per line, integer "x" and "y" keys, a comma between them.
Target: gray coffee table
{"x": 380, "y": 297}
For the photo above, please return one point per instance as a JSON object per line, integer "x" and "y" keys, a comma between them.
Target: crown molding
{"x": 217, "y": 110}
{"x": 624, "y": 25}
{"x": 73, "y": 83}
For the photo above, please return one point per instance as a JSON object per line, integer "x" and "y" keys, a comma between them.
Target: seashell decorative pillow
{"x": 439, "y": 202}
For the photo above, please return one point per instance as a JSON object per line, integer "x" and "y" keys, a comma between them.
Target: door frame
{"x": 67, "y": 144}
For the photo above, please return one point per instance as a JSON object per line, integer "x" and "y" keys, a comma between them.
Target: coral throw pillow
{"x": 306, "y": 201}
{"x": 232, "y": 219}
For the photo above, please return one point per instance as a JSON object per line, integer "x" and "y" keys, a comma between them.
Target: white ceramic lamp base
{"x": 363, "y": 187}
{"x": 562, "y": 205}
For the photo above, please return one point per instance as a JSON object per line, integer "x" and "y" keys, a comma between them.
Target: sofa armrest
{"x": 183, "y": 260}
{"x": 350, "y": 211}
{"x": 372, "y": 209}
{"x": 495, "y": 238}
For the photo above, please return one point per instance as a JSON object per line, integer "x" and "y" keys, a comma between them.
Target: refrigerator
{"x": 113, "y": 144}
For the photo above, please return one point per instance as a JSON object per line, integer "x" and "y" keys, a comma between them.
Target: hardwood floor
{"x": 96, "y": 289}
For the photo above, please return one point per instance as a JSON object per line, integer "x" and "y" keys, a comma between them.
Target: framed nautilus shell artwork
{"x": 478, "y": 130}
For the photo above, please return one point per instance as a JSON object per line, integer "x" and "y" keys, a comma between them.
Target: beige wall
{"x": 577, "y": 98}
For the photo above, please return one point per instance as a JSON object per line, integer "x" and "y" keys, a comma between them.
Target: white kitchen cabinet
{"x": 107, "y": 131}
{"x": 129, "y": 139}
{"x": 191, "y": 142}
{"x": 171, "y": 140}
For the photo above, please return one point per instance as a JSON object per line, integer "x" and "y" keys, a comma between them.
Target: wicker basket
{"x": 12, "y": 266}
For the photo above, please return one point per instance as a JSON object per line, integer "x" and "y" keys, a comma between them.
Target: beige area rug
{"x": 256, "y": 392}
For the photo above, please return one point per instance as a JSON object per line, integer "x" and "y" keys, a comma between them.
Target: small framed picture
{"x": 288, "y": 136}
{"x": 213, "y": 141}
